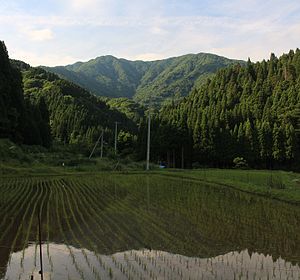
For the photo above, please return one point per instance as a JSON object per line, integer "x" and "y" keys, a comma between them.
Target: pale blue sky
{"x": 60, "y": 32}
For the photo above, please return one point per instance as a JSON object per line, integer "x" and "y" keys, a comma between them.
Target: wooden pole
{"x": 101, "y": 154}
{"x": 148, "y": 141}
{"x": 116, "y": 136}
{"x": 182, "y": 157}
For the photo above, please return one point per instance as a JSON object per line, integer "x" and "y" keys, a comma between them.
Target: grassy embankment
{"x": 16, "y": 161}
{"x": 281, "y": 185}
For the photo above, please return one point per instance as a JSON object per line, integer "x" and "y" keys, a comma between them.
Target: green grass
{"x": 16, "y": 161}
{"x": 276, "y": 184}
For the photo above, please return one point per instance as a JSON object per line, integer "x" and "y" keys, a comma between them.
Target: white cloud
{"x": 36, "y": 59}
{"x": 86, "y": 4}
{"x": 138, "y": 30}
{"x": 39, "y": 34}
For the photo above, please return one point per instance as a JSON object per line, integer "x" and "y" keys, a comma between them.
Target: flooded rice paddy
{"x": 143, "y": 227}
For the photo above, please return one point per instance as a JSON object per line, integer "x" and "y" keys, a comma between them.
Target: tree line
{"x": 250, "y": 111}
{"x": 39, "y": 108}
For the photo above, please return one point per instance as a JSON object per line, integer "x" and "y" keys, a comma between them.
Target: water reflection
{"x": 209, "y": 232}
{"x": 66, "y": 262}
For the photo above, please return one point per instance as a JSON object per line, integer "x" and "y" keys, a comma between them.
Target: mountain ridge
{"x": 143, "y": 81}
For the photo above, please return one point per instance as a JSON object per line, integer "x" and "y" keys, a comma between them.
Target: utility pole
{"x": 116, "y": 136}
{"x": 148, "y": 141}
{"x": 101, "y": 154}
{"x": 182, "y": 157}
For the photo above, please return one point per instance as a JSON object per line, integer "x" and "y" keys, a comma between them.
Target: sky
{"x": 61, "y": 32}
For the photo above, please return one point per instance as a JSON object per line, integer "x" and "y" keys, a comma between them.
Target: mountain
{"x": 143, "y": 81}
{"x": 37, "y": 107}
{"x": 248, "y": 113}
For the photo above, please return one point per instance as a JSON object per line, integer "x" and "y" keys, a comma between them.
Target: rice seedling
{"x": 137, "y": 226}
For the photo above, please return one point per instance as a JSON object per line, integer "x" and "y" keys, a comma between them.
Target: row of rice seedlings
{"x": 13, "y": 201}
{"x": 100, "y": 260}
{"x": 21, "y": 228}
{"x": 116, "y": 265}
{"x": 141, "y": 268}
{"x": 8, "y": 190}
{"x": 123, "y": 208}
{"x": 56, "y": 205}
{"x": 74, "y": 218}
{"x": 153, "y": 224}
{"x": 60, "y": 202}
{"x": 81, "y": 207}
{"x": 121, "y": 267}
{"x": 118, "y": 207}
{"x": 48, "y": 222}
{"x": 188, "y": 209}
{"x": 16, "y": 207}
{"x": 28, "y": 231}
{"x": 144, "y": 264}
{"x": 99, "y": 216}
{"x": 40, "y": 205}
{"x": 74, "y": 193}
{"x": 152, "y": 220}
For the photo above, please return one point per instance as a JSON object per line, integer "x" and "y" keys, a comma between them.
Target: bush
{"x": 240, "y": 163}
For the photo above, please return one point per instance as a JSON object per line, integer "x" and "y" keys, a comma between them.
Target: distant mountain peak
{"x": 157, "y": 80}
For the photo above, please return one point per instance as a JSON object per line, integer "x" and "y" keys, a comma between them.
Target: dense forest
{"x": 21, "y": 119}
{"x": 38, "y": 107}
{"x": 76, "y": 116}
{"x": 155, "y": 82}
{"x": 250, "y": 112}
{"x": 244, "y": 115}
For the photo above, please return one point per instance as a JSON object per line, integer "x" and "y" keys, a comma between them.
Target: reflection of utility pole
{"x": 148, "y": 193}
{"x": 148, "y": 141}
{"x": 116, "y": 136}
{"x": 40, "y": 242}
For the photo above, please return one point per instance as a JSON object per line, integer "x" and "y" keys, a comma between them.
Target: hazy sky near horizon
{"x": 60, "y": 32}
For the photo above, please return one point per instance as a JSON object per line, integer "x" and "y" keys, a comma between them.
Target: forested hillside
{"x": 38, "y": 107}
{"x": 76, "y": 116}
{"x": 251, "y": 112}
{"x": 21, "y": 119}
{"x": 152, "y": 81}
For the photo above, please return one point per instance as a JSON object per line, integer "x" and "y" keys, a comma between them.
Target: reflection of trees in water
{"x": 149, "y": 264}
{"x": 107, "y": 214}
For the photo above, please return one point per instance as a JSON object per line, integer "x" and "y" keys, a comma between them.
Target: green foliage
{"x": 130, "y": 108}
{"x": 155, "y": 81}
{"x": 23, "y": 121}
{"x": 76, "y": 117}
{"x": 247, "y": 111}
{"x": 240, "y": 163}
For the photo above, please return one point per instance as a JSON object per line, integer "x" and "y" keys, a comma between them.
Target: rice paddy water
{"x": 137, "y": 226}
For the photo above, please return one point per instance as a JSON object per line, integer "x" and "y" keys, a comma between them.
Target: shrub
{"x": 240, "y": 163}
